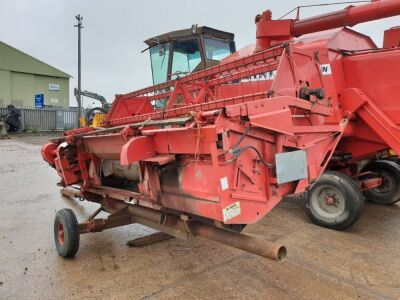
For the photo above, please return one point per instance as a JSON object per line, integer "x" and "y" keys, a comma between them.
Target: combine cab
{"x": 178, "y": 53}
{"x": 185, "y": 51}
{"x": 313, "y": 107}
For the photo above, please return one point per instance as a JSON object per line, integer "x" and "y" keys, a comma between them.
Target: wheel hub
{"x": 330, "y": 200}
{"x": 387, "y": 185}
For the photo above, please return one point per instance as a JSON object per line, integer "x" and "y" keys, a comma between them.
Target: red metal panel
{"x": 137, "y": 149}
{"x": 48, "y": 152}
{"x": 392, "y": 38}
{"x": 356, "y": 101}
{"x": 376, "y": 74}
{"x": 106, "y": 146}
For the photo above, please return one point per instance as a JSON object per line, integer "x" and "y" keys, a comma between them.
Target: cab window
{"x": 186, "y": 57}
{"x": 217, "y": 49}
{"x": 159, "y": 56}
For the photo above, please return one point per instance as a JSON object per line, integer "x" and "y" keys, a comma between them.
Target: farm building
{"x": 28, "y": 82}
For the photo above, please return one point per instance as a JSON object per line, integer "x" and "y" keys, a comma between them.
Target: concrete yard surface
{"x": 362, "y": 262}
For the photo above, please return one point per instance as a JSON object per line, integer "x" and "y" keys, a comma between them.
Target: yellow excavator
{"x": 96, "y": 115}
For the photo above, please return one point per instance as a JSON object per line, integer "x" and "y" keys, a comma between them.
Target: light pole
{"x": 79, "y": 18}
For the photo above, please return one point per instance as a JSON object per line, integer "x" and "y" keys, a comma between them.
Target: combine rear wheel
{"x": 334, "y": 201}
{"x": 66, "y": 233}
{"x": 389, "y": 191}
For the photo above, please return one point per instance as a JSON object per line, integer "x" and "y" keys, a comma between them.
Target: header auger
{"x": 216, "y": 145}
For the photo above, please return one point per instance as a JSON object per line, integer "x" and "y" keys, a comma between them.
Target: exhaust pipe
{"x": 258, "y": 246}
{"x": 174, "y": 226}
{"x": 264, "y": 248}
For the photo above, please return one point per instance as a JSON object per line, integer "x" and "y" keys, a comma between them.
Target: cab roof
{"x": 194, "y": 31}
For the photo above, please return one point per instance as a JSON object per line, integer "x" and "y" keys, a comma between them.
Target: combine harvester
{"x": 313, "y": 107}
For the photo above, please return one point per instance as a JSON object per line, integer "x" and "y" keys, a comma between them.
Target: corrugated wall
{"x": 39, "y": 120}
{"x": 23, "y": 76}
{"x": 20, "y": 89}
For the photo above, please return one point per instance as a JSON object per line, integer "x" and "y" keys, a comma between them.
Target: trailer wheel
{"x": 66, "y": 233}
{"x": 334, "y": 201}
{"x": 389, "y": 191}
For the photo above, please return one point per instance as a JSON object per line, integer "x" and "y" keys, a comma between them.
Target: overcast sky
{"x": 114, "y": 31}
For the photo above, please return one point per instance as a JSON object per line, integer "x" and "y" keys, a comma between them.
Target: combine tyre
{"x": 334, "y": 201}
{"x": 388, "y": 192}
{"x": 66, "y": 233}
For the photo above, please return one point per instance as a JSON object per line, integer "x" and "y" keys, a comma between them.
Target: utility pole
{"x": 79, "y": 18}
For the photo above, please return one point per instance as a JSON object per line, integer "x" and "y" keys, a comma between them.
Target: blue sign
{"x": 39, "y": 101}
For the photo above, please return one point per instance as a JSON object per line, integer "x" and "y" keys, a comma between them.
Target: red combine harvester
{"x": 213, "y": 146}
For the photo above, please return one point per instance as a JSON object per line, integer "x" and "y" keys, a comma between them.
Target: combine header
{"x": 312, "y": 108}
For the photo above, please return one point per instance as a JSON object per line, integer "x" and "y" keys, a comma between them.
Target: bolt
{"x": 330, "y": 200}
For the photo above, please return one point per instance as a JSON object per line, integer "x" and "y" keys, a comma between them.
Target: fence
{"x": 46, "y": 119}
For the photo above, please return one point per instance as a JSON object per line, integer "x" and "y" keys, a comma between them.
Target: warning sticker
{"x": 231, "y": 211}
{"x": 224, "y": 183}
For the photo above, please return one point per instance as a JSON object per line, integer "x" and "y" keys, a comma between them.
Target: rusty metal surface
{"x": 362, "y": 262}
{"x": 123, "y": 213}
{"x": 272, "y": 250}
{"x": 149, "y": 239}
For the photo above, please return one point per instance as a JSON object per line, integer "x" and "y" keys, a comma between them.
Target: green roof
{"x": 12, "y": 59}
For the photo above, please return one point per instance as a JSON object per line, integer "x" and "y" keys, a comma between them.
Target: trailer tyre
{"x": 389, "y": 192}
{"x": 335, "y": 201}
{"x": 66, "y": 233}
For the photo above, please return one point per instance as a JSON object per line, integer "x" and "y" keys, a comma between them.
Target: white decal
{"x": 224, "y": 183}
{"x": 263, "y": 76}
{"x": 54, "y": 87}
{"x": 326, "y": 69}
{"x": 231, "y": 211}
